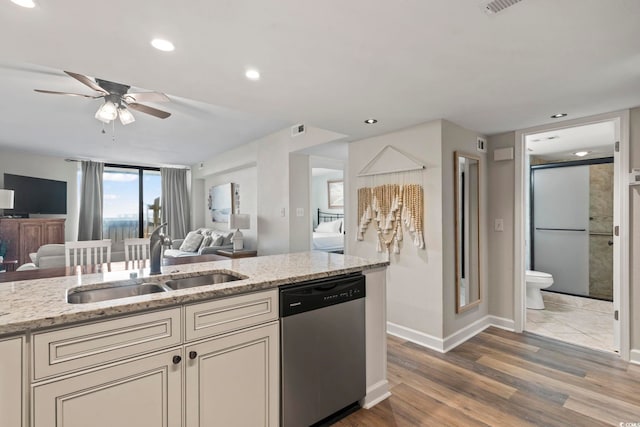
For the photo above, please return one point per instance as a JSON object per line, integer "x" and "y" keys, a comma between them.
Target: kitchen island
{"x": 79, "y": 355}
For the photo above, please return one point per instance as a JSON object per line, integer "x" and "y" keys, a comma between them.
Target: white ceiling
{"x": 329, "y": 64}
{"x": 597, "y": 138}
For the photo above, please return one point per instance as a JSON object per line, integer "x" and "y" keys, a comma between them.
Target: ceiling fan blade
{"x": 147, "y": 97}
{"x": 67, "y": 93}
{"x": 149, "y": 110}
{"x": 87, "y": 81}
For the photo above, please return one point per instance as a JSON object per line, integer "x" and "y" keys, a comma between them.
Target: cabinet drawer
{"x": 228, "y": 314}
{"x": 70, "y": 349}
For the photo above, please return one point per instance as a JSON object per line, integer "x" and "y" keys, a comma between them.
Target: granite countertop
{"x": 34, "y": 304}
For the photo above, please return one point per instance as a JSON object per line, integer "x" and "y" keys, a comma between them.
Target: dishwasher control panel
{"x": 312, "y": 295}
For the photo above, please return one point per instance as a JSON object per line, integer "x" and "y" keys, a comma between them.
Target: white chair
{"x": 88, "y": 253}
{"x": 136, "y": 250}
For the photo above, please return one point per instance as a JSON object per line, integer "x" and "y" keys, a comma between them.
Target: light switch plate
{"x": 299, "y": 211}
{"x": 498, "y": 224}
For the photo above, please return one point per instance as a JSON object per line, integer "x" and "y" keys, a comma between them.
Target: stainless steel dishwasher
{"x": 322, "y": 348}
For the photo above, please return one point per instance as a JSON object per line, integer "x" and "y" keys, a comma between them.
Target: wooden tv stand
{"x": 26, "y": 235}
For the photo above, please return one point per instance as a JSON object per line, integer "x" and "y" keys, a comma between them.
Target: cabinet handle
{"x": 177, "y": 359}
{"x": 193, "y": 355}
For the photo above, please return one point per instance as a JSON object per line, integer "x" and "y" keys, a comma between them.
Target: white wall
{"x": 299, "y": 201}
{"x": 29, "y": 164}
{"x": 270, "y": 156}
{"x": 239, "y": 167}
{"x": 414, "y": 278}
{"x": 501, "y": 181}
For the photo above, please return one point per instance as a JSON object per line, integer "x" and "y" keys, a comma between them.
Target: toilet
{"x": 536, "y": 280}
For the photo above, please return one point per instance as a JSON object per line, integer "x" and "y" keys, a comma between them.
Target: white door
{"x": 12, "y": 382}
{"x": 234, "y": 380}
{"x": 146, "y": 392}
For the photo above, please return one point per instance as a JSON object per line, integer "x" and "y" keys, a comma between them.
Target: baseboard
{"x": 469, "y": 331}
{"x": 502, "y": 323}
{"x": 376, "y": 394}
{"x": 414, "y": 336}
{"x": 634, "y": 356}
{"x": 453, "y": 340}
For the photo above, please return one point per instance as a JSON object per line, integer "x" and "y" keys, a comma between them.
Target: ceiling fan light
{"x": 107, "y": 112}
{"x": 25, "y": 3}
{"x": 125, "y": 116}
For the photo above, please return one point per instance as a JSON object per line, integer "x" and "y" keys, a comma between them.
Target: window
{"x": 131, "y": 201}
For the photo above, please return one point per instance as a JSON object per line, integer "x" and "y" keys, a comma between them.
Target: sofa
{"x": 199, "y": 242}
{"x": 52, "y": 256}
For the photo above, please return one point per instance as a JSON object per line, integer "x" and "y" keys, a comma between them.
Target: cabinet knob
{"x": 193, "y": 355}
{"x": 177, "y": 359}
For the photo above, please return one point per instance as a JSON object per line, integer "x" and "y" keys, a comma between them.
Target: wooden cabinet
{"x": 28, "y": 234}
{"x": 144, "y": 392}
{"x": 234, "y": 380}
{"x": 13, "y": 382}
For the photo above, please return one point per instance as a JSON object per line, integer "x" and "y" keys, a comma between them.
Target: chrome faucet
{"x": 158, "y": 240}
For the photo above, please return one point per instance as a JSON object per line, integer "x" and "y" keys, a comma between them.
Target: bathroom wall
{"x": 600, "y": 226}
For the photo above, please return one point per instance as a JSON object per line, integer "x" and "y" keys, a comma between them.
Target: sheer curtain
{"x": 90, "y": 216}
{"x": 175, "y": 202}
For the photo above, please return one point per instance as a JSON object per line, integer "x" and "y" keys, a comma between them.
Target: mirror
{"x": 467, "y": 230}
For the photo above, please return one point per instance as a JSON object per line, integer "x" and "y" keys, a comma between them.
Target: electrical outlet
{"x": 300, "y": 212}
{"x": 283, "y": 212}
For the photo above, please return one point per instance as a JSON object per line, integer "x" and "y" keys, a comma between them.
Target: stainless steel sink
{"x": 83, "y": 296}
{"x": 205, "y": 279}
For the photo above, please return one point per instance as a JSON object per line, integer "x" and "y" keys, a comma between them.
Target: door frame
{"x": 621, "y": 218}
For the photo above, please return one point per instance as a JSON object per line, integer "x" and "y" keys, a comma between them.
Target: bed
{"x": 329, "y": 235}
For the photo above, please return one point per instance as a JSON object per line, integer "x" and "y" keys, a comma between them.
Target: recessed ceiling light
{"x": 163, "y": 45}
{"x": 252, "y": 74}
{"x": 370, "y": 121}
{"x": 559, "y": 115}
{"x": 25, "y": 3}
{"x": 581, "y": 153}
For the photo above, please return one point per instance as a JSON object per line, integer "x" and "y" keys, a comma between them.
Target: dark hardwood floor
{"x": 500, "y": 378}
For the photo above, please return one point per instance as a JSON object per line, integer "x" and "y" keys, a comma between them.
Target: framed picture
{"x": 223, "y": 200}
{"x": 336, "y": 194}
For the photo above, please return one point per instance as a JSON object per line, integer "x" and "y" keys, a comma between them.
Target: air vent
{"x": 496, "y": 6}
{"x": 297, "y": 130}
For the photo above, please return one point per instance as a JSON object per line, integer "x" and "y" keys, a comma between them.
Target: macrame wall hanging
{"x": 391, "y": 198}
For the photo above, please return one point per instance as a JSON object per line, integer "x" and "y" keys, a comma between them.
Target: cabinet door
{"x": 31, "y": 238}
{"x": 53, "y": 232}
{"x": 234, "y": 380}
{"x": 12, "y": 382}
{"x": 145, "y": 392}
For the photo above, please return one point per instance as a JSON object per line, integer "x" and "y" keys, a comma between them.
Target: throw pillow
{"x": 329, "y": 227}
{"x": 217, "y": 240}
{"x": 206, "y": 242}
{"x": 227, "y": 239}
{"x": 191, "y": 242}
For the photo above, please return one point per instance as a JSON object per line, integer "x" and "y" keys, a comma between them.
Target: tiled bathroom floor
{"x": 582, "y": 321}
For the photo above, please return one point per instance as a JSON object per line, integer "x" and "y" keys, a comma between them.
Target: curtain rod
{"x": 129, "y": 166}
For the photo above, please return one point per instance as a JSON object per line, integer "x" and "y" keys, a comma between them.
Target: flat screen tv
{"x": 36, "y": 195}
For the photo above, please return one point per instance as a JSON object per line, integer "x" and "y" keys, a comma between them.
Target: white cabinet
{"x": 144, "y": 392}
{"x": 149, "y": 370}
{"x": 13, "y": 382}
{"x": 234, "y": 380}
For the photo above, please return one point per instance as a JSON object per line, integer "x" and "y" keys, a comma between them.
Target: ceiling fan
{"x": 117, "y": 100}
